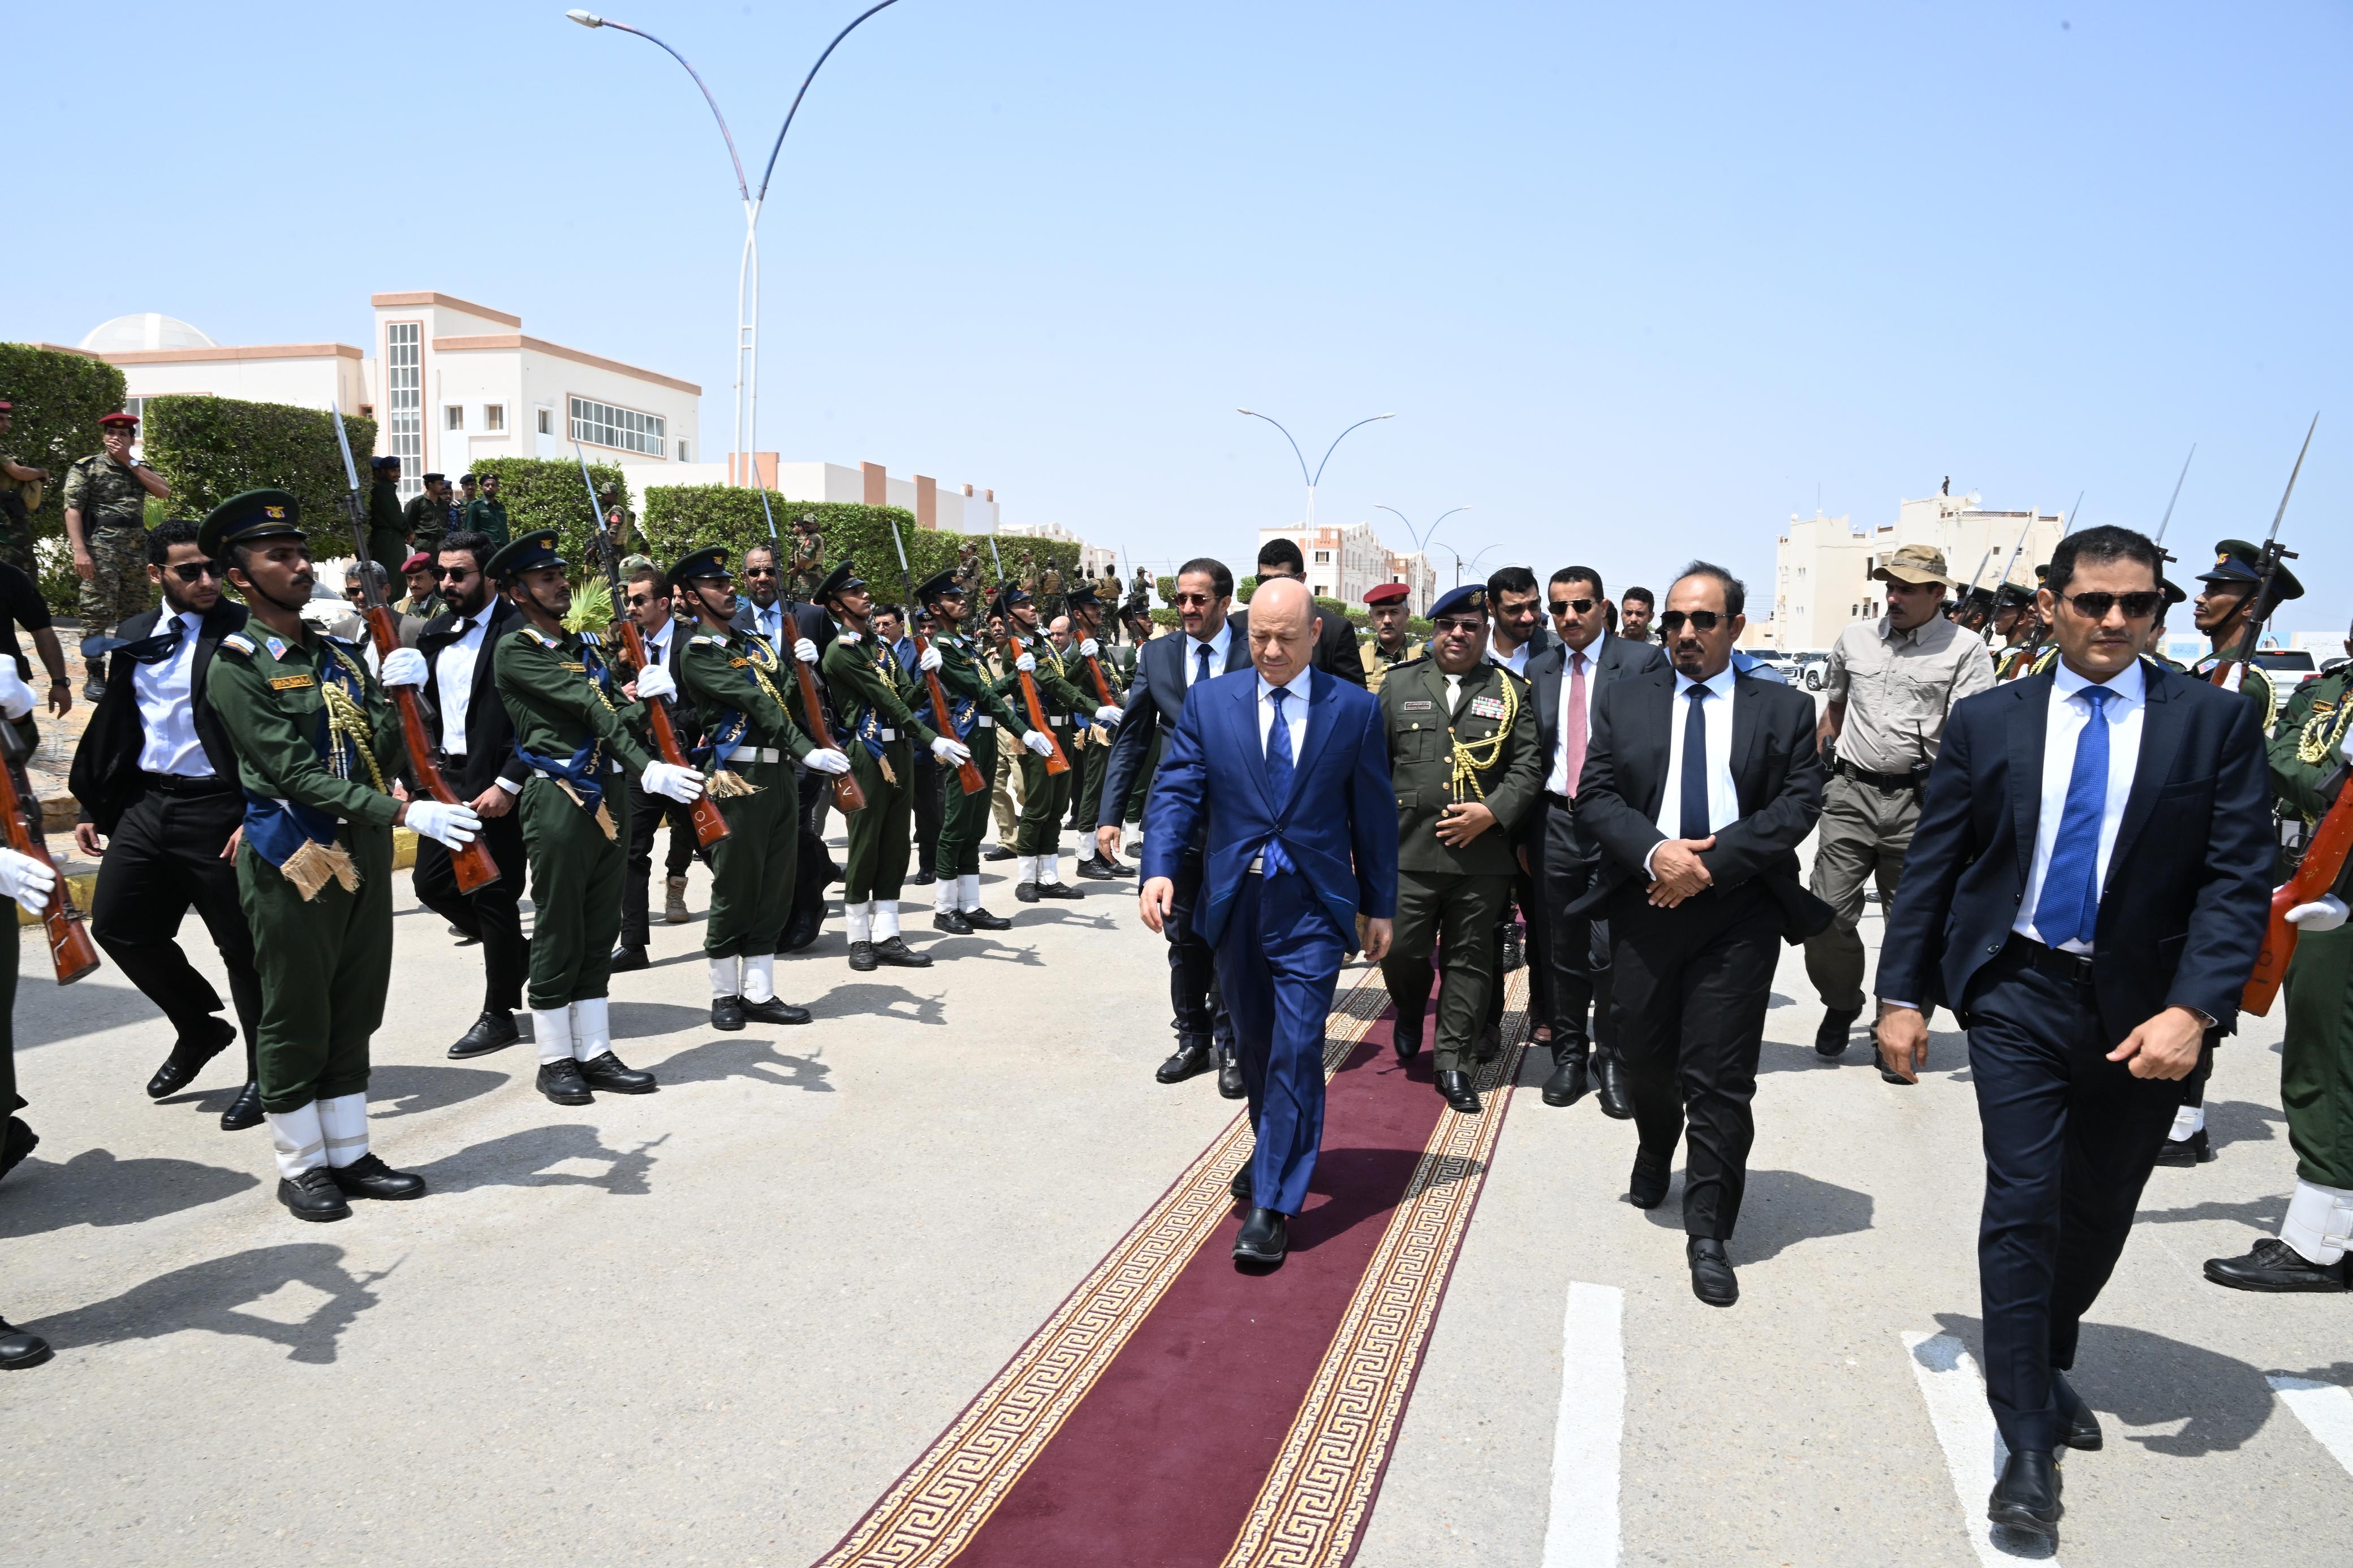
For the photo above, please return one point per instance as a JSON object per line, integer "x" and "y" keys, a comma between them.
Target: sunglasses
{"x": 1195, "y": 599}
{"x": 196, "y": 570}
{"x": 640, "y": 601}
{"x": 759, "y": 571}
{"x": 1701, "y": 621}
{"x": 1457, "y": 623}
{"x": 444, "y": 573}
{"x": 2138, "y": 607}
{"x": 1563, "y": 606}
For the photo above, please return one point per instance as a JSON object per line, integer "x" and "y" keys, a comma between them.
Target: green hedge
{"x": 59, "y": 399}
{"x": 210, "y": 448}
{"x": 546, "y": 492}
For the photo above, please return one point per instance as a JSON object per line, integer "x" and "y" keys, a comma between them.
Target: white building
{"x": 1822, "y": 565}
{"x": 963, "y": 509}
{"x": 1092, "y": 558}
{"x": 1419, "y": 578}
{"x": 158, "y": 354}
{"x": 1344, "y": 560}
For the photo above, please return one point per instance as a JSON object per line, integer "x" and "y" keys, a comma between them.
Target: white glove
{"x": 805, "y": 651}
{"x": 953, "y": 751}
{"x": 16, "y": 697}
{"x": 654, "y": 681}
{"x": 1107, "y": 714}
{"x": 26, "y": 880}
{"x": 1037, "y": 742}
{"x": 2324, "y": 913}
{"x": 826, "y": 760}
{"x": 1027, "y": 663}
{"x": 402, "y": 667}
{"x": 1088, "y": 650}
{"x": 670, "y": 781}
{"x": 452, "y": 826}
{"x": 928, "y": 659}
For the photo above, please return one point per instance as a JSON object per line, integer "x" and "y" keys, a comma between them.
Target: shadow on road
{"x": 880, "y": 1002}
{"x": 406, "y": 1090}
{"x": 2147, "y": 1380}
{"x": 759, "y": 1060}
{"x": 1359, "y": 1185}
{"x": 528, "y": 1159}
{"x": 209, "y": 1296}
{"x": 94, "y": 1188}
{"x": 1779, "y": 1210}
{"x": 645, "y": 1020}
{"x": 983, "y": 948}
{"x": 2230, "y": 1122}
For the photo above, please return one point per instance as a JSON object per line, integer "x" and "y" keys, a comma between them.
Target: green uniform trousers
{"x": 10, "y": 1100}
{"x": 1862, "y": 836}
{"x": 753, "y": 869}
{"x": 878, "y": 835}
{"x": 575, "y": 891}
{"x": 2316, "y": 1058}
{"x": 965, "y": 816}
{"x": 325, "y": 966}
{"x": 1045, "y": 801}
{"x": 1457, "y": 914}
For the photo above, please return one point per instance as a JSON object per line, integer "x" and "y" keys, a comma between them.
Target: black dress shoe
{"x": 2079, "y": 1428}
{"x": 727, "y": 1012}
{"x": 774, "y": 1010}
{"x": 370, "y": 1178}
{"x": 981, "y": 919}
{"x": 1026, "y": 892}
{"x": 19, "y": 1350}
{"x": 1454, "y": 1087}
{"x": 896, "y": 953}
{"x": 1229, "y": 1076}
{"x": 2027, "y": 1496}
{"x": 244, "y": 1111}
{"x": 1190, "y": 1059}
{"x": 922, "y": 878}
{"x": 1837, "y": 1027}
{"x": 2275, "y": 1265}
{"x": 803, "y": 929}
{"x": 495, "y": 1030}
{"x": 2195, "y": 1149}
{"x": 561, "y": 1082}
{"x": 1713, "y": 1280}
{"x": 1647, "y": 1187}
{"x": 16, "y": 1140}
{"x": 627, "y": 958}
{"x": 1240, "y": 1185}
{"x": 952, "y": 922}
{"x": 1491, "y": 1042}
{"x": 1887, "y": 1074}
{"x": 1405, "y": 1037}
{"x": 999, "y": 852}
{"x": 189, "y": 1055}
{"x": 1568, "y": 1082}
{"x": 1265, "y": 1238}
{"x": 1094, "y": 869}
{"x": 1058, "y": 890}
{"x": 313, "y": 1195}
{"x": 609, "y": 1073}
{"x": 861, "y": 956}
{"x": 1609, "y": 1083}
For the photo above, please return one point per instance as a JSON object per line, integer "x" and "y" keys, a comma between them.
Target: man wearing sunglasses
{"x": 2087, "y": 888}
{"x": 766, "y": 609}
{"x": 649, "y": 604}
{"x": 156, "y": 778}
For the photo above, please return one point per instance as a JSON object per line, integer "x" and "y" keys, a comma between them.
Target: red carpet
{"x": 1178, "y": 1411}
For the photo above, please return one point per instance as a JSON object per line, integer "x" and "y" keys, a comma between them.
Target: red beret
{"x": 415, "y": 561}
{"x": 118, "y": 417}
{"x": 6, "y": 406}
{"x": 1388, "y": 593}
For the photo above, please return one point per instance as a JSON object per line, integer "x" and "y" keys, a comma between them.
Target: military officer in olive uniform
{"x": 978, "y": 712}
{"x": 105, "y": 498}
{"x": 2231, "y": 617}
{"x": 558, "y": 691}
{"x": 486, "y": 513}
{"x": 1045, "y": 798}
{"x": 871, "y": 691}
{"x": 1387, "y": 604}
{"x": 316, "y": 745}
{"x": 2020, "y": 628}
{"x": 1092, "y": 740}
{"x": 1463, "y": 757}
{"x": 731, "y": 674}
{"x": 425, "y": 518}
{"x": 387, "y": 524}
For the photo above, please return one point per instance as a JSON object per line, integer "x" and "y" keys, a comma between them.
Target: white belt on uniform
{"x": 756, "y": 754}
{"x": 890, "y": 734}
{"x": 984, "y": 720}
{"x": 614, "y": 767}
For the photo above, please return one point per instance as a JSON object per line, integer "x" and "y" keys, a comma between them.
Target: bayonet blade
{"x": 2168, "y": 520}
{"x": 2292, "y": 473}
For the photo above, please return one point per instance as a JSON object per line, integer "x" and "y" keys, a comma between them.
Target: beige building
{"x": 1822, "y": 565}
{"x": 958, "y": 509}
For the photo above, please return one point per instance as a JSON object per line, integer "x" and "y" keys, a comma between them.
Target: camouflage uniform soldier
{"x": 106, "y": 522}
{"x": 1388, "y": 607}
{"x": 19, "y": 492}
{"x": 808, "y": 565}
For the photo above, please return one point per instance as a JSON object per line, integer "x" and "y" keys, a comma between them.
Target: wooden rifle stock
{"x": 472, "y": 864}
{"x": 70, "y": 950}
{"x": 847, "y": 796}
{"x": 1103, "y": 687}
{"x": 967, "y": 774}
{"x": 1055, "y": 763}
{"x": 710, "y": 825}
{"x": 2323, "y": 863}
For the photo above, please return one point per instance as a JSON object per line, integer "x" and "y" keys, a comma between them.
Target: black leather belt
{"x": 2072, "y": 967}
{"x": 179, "y": 783}
{"x": 1889, "y": 782}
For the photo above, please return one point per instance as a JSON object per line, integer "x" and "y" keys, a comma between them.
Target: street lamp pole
{"x": 1421, "y": 537}
{"x": 1315, "y": 477}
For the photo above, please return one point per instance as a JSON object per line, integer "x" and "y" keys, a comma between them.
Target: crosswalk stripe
{"x": 1583, "y": 1529}
{"x": 1955, "y": 1391}
{"x": 2324, "y": 1408}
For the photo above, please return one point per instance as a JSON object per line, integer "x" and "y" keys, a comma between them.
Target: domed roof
{"x": 147, "y": 330}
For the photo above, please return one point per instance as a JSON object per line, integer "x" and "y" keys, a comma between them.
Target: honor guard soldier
{"x": 1085, "y": 611}
{"x": 1464, "y": 762}
{"x": 29, "y": 882}
{"x": 2231, "y": 616}
{"x": 316, "y": 743}
{"x": 977, "y": 711}
{"x": 1389, "y": 607}
{"x": 388, "y": 523}
{"x": 1045, "y": 798}
{"x": 731, "y": 674}
{"x": 2020, "y": 628}
{"x": 871, "y": 690}
{"x": 105, "y": 499}
{"x": 558, "y": 691}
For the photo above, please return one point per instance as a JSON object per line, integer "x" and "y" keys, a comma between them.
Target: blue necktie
{"x": 1201, "y": 661}
{"x": 2069, "y": 909}
{"x": 1278, "y": 777}
{"x": 1694, "y": 823}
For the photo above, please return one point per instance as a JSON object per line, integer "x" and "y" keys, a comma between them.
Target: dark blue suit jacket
{"x": 1339, "y": 825}
{"x": 2189, "y": 885}
{"x": 1156, "y": 696}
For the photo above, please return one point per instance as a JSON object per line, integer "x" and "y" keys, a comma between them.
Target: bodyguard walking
{"x": 105, "y": 498}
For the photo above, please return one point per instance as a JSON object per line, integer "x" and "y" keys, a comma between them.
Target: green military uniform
{"x": 979, "y": 714}
{"x": 1378, "y": 662}
{"x": 2316, "y": 1056}
{"x": 1449, "y": 897}
{"x": 425, "y": 522}
{"x": 422, "y": 606}
{"x": 2250, "y": 680}
{"x": 16, "y": 520}
{"x": 732, "y": 680}
{"x": 487, "y": 516}
{"x": 1090, "y": 741}
{"x": 1045, "y": 796}
{"x": 872, "y": 691}
{"x": 387, "y": 528}
{"x": 113, "y": 507}
{"x": 1004, "y": 780}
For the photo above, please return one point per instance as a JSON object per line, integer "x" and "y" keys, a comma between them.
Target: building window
{"x": 494, "y": 415}
{"x": 453, "y": 416}
{"x": 547, "y": 421}
{"x": 681, "y": 450}
{"x": 403, "y": 377}
{"x": 602, "y": 425}
{"x": 1323, "y": 558}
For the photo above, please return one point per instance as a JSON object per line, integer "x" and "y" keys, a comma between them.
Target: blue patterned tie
{"x": 1201, "y": 661}
{"x": 1278, "y": 777}
{"x": 2069, "y": 909}
{"x": 1695, "y": 810}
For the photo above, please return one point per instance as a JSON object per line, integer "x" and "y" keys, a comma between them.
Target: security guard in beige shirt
{"x": 1888, "y": 688}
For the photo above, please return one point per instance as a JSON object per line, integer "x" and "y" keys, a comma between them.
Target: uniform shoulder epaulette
{"x": 237, "y": 642}
{"x": 847, "y": 639}
{"x": 1513, "y": 676}
{"x": 540, "y": 637}
{"x": 341, "y": 642}
{"x": 1421, "y": 658}
{"x": 591, "y": 639}
{"x": 708, "y": 639}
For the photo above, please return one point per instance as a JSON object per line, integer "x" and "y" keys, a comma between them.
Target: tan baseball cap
{"x": 1915, "y": 563}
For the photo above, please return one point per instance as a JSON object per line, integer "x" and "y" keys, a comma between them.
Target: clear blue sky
{"x": 1638, "y": 282}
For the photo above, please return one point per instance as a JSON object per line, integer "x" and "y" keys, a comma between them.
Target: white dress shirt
{"x": 2062, "y": 727}
{"x": 167, "y": 718}
{"x": 1294, "y": 712}
{"x": 1217, "y": 646}
{"x": 1722, "y": 797}
{"x": 658, "y": 642}
{"x": 769, "y": 621}
{"x": 1557, "y": 780}
{"x": 1516, "y": 661}
{"x": 453, "y": 678}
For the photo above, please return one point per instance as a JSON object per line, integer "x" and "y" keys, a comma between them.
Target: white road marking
{"x": 1955, "y": 1391}
{"x": 1583, "y": 1531}
{"x": 2324, "y": 1408}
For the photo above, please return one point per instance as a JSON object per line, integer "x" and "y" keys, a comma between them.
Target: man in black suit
{"x": 474, "y": 746}
{"x": 1565, "y": 681}
{"x": 1515, "y": 636}
{"x": 648, "y": 592}
{"x": 1699, "y": 784}
{"x": 765, "y": 610}
{"x": 1335, "y": 637}
{"x": 1214, "y": 641}
{"x": 154, "y": 773}
{"x": 2086, "y": 889}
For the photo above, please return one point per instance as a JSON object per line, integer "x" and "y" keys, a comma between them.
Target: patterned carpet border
{"x": 933, "y": 1509}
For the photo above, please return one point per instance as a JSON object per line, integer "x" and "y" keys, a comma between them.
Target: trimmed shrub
{"x": 59, "y": 399}
{"x": 546, "y": 492}
{"x": 210, "y": 448}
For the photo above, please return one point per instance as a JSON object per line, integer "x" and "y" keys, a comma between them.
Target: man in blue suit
{"x": 1284, "y": 773}
{"x": 2086, "y": 889}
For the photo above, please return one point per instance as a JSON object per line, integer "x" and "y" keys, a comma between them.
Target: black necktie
{"x": 1694, "y": 823}
{"x": 157, "y": 648}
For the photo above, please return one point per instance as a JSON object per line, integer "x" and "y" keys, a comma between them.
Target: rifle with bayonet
{"x": 1057, "y": 762}
{"x": 709, "y": 823}
{"x": 2231, "y": 669}
{"x": 2033, "y": 650}
{"x": 471, "y": 863}
{"x": 848, "y": 795}
{"x": 71, "y": 952}
{"x": 967, "y": 773}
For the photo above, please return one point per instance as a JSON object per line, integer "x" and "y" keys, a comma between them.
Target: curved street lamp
{"x": 1314, "y": 479}
{"x": 1460, "y": 566}
{"x": 743, "y": 438}
{"x": 1420, "y": 537}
